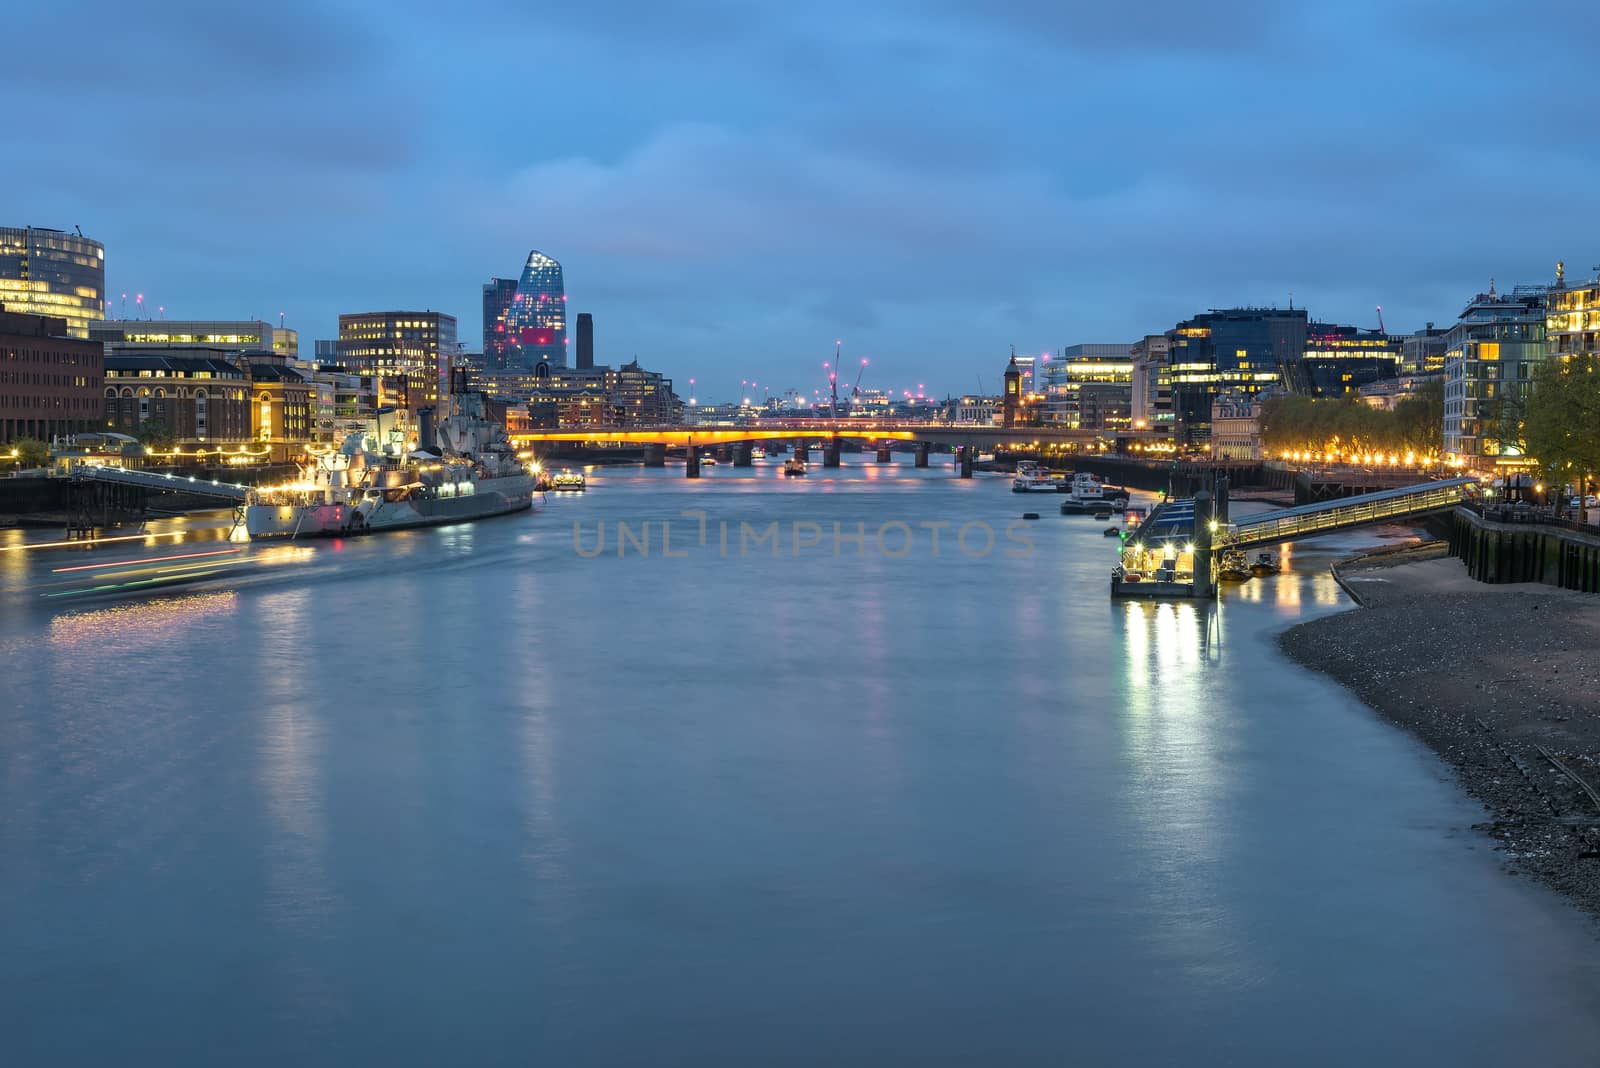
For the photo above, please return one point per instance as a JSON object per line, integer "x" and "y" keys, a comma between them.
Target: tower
{"x": 585, "y": 341}
{"x": 1013, "y": 394}
{"x": 537, "y": 320}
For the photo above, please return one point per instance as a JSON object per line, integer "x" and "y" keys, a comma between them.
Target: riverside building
{"x": 1490, "y": 357}
{"x": 1239, "y": 350}
{"x": 170, "y": 335}
{"x": 1572, "y": 317}
{"x": 405, "y": 351}
{"x": 50, "y": 382}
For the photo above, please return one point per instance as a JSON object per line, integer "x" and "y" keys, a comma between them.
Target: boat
{"x": 794, "y": 467}
{"x": 1112, "y": 532}
{"x": 1087, "y": 495}
{"x": 708, "y": 461}
{"x": 569, "y": 480}
{"x": 1033, "y": 478}
{"x": 758, "y": 453}
{"x": 1264, "y": 564}
{"x": 371, "y": 483}
{"x": 1233, "y": 567}
{"x": 1103, "y": 515}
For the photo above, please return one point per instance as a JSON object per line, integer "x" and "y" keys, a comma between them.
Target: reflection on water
{"x": 462, "y": 796}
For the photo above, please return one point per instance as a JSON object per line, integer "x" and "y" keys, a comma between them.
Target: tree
{"x": 156, "y": 434}
{"x": 1563, "y": 419}
{"x": 31, "y": 452}
{"x": 1420, "y": 418}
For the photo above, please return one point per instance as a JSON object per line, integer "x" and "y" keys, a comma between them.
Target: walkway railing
{"x": 1309, "y": 520}
{"x": 156, "y": 481}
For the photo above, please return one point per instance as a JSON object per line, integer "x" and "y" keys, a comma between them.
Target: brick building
{"x": 49, "y": 382}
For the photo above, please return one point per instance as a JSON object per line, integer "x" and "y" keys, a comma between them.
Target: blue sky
{"x": 731, "y": 187}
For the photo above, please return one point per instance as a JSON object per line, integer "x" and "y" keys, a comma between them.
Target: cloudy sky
{"x": 732, "y": 186}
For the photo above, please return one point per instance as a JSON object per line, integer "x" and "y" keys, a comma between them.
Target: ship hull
{"x": 492, "y": 497}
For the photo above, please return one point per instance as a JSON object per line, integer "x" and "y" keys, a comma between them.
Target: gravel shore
{"x": 1485, "y": 675}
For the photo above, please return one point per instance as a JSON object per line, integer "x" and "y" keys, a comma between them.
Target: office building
{"x": 585, "y": 341}
{"x": 283, "y": 399}
{"x": 50, "y": 382}
{"x": 537, "y": 320}
{"x": 1089, "y": 387}
{"x": 1490, "y": 357}
{"x": 174, "y": 335}
{"x": 1240, "y": 350}
{"x": 198, "y": 395}
{"x": 53, "y": 273}
{"x": 405, "y": 351}
{"x": 498, "y": 295}
{"x": 1150, "y": 392}
{"x": 1338, "y": 360}
{"x": 1423, "y": 352}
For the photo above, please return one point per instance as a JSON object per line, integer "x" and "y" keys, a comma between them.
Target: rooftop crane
{"x": 855, "y": 390}
{"x": 833, "y": 379}
{"x": 1381, "y": 330}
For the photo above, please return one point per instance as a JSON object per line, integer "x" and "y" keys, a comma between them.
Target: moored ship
{"x": 367, "y": 486}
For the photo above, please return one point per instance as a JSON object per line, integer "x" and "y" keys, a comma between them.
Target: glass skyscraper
{"x": 537, "y": 321}
{"x": 52, "y": 272}
{"x": 498, "y": 295}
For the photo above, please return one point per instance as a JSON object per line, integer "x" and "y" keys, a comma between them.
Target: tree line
{"x": 1292, "y": 423}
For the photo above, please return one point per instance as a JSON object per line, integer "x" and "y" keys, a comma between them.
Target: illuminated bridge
{"x": 827, "y": 433}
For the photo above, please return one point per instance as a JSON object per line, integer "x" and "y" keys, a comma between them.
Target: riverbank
{"x": 1485, "y": 675}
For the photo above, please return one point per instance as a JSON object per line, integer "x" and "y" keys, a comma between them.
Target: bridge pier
{"x": 802, "y": 452}
{"x": 885, "y": 454}
{"x": 964, "y": 457}
{"x": 830, "y": 453}
{"x": 723, "y": 454}
{"x": 1203, "y": 520}
{"x": 691, "y": 468}
{"x": 655, "y": 455}
{"x": 742, "y": 455}
{"x": 923, "y": 448}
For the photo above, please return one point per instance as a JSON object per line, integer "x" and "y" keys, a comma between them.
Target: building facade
{"x": 498, "y": 295}
{"x": 1236, "y": 426}
{"x": 623, "y": 397}
{"x": 1089, "y": 387}
{"x": 1338, "y": 360}
{"x": 283, "y": 400}
{"x": 1239, "y": 350}
{"x": 537, "y": 320}
{"x": 53, "y": 273}
{"x": 168, "y": 335}
{"x": 1423, "y": 352}
{"x": 405, "y": 351}
{"x": 1490, "y": 357}
{"x": 50, "y": 382}
{"x": 1150, "y": 392}
{"x": 1572, "y": 317}
{"x": 198, "y": 397}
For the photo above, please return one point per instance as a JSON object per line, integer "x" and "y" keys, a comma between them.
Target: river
{"x": 506, "y": 794}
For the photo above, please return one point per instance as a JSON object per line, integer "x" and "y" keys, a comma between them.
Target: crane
{"x": 855, "y": 390}
{"x": 833, "y": 379}
{"x": 1381, "y": 330}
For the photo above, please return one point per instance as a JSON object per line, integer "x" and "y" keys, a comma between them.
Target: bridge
{"x": 153, "y": 480}
{"x": 967, "y": 438}
{"x": 1327, "y": 517}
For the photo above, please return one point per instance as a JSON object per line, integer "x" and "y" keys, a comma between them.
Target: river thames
{"x": 506, "y": 794}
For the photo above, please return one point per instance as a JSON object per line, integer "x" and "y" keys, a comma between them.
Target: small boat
{"x": 1103, "y": 516}
{"x": 1111, "y": 532}
{"x": 1033, "y": 478}
{"x": 1264, "y": 564}
{"x": 569, "y": 480}
{"x": 1233, "y": 567}
{"x": 794, "y": 467}
{"x": 708, "y": 461}
{"x": 1030, "y": 515}
{"x": 1087, "y": 495}
{"x": 758, "y": 453}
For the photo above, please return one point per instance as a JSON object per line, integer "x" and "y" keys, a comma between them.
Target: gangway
{"x": 158, "y": 481}
{"x": 1310, "y": 520}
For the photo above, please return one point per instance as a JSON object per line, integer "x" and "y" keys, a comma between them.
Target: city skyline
{"x": 1189, "y": 161}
